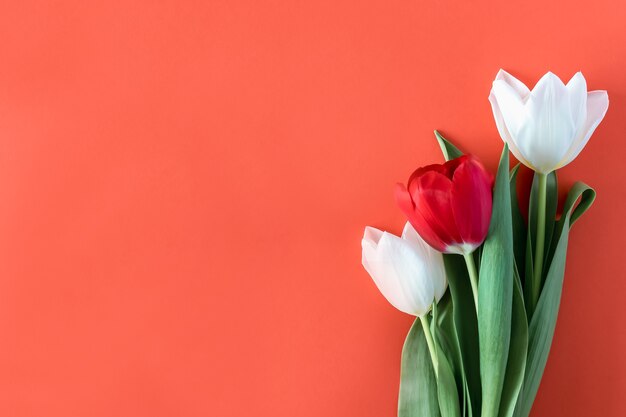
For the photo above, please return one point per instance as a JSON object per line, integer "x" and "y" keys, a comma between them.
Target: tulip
{"x": 546, "y": 128}
{"x": 449, "y": 205}
{"x": 406, "y": 270}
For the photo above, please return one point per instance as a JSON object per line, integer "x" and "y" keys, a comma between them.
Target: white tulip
{"x": 546, "y": 128}
{"x": 407, "y": 271}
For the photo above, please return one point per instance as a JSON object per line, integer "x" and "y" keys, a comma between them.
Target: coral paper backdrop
{"x": 184, "y": 186}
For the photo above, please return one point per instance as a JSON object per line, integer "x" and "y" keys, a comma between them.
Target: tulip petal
{"x": 406, "y": 204}
{"x": 471, "y": 202}
{"x": 432, "y": 203}
{"x": 511, "y": 106}
{"x": 433, "y": 259}
{"x": 504, "y": 131}
{"x": 519, "y": 87}
{"x": 414, "y": 239}
{"x": 577, "y": 88}
{"x": 372, "y": 236}
{"x": 369, "y": 244}
{"x": 403, "y": 199}
{"x": 386, "y": 282}
{"x": 597, "y": 105}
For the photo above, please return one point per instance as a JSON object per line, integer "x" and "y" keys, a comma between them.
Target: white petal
{"x": 597, "y": 105}
{"x": 433, "y": 260}
{"x": 519, "y": 87}
{"x": 382, "y": 273}
{"x": 368, "y": 255}
{"x": 410, "y": 235}
{"x": 511, "y": 106}
{"x": 577, "y": 88}
{"x": 369, "y": 245}
{"x": 549, "y": 130}
{"x": 504, "y": 132}
{"x": 386, "y": 284}
{"x": 372, "y": 235}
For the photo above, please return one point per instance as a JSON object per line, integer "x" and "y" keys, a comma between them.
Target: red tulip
{"x": 449, "y": 205}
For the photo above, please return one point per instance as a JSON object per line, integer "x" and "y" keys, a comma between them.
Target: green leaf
{"x": 447, "y": 392}
{"x": 588, "y": 197}
{"x": 445, "y": 311}
{"x": 418, "y": 387}
{"x": 516, "y": 364}
{"x": 543, "y": 322}
{"x": 465, "y": 325}
{"x": 528, "y": 276}
{"x": 519, "y": 226}
{"x": 444, "y": 333}
{"x": 434, "y": 322}
{"x": 495, "y": 293}
{"x": 449, "y": 150}
{"x": 442, "y": 330}
{"x": 467, "y": 401}
{"x": 449, "y": 340}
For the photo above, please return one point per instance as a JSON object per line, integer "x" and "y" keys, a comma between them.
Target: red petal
{"x": 450, "y": 167}
{"x": 472, "y": 200}
{"x": 423, "y": 170}
{"x": 432, "y": 202}
{"x": 403, "y": 199}
{"x": 405, "y": 202}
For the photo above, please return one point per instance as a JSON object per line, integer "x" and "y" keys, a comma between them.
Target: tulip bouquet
{"x": 483, "y": 281}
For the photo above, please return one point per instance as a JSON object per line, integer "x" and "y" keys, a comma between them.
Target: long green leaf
{"x": 516, "y": 364}
{"x": 418, "y": 387}
{"x": 495, "y": 293}
{"x": 447, "y": 390}
{"x": 443, "y": 328}
{"x": 528, "y": 275}
{"x": 468, "y": 411}
{"x": 445, "y": 310}
{"x": 519, "y": 226}
{"x": 588, "y": 198}
{"x": 543, "y": 323}
{"x": 465, "y": 324}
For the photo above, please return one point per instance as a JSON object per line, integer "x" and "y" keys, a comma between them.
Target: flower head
{"x": 449, "y": 204}
{"x": 408, "y": 272}
{"x": 546, "y": 128}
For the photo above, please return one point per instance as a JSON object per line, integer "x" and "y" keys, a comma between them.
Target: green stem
{"x": 540, "y": 241}
{"x": 473, "y": 275}
{"x": 431, "y": 343}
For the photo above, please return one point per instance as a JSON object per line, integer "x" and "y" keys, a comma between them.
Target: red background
{"x": 184, "y": 186}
